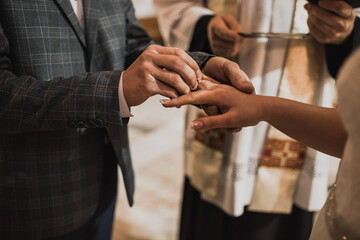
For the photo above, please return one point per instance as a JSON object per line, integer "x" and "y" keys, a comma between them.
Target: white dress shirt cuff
{"x": 124, "y": 108}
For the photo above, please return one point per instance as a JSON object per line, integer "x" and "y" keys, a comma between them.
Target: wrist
{"x": 266, "y": 108}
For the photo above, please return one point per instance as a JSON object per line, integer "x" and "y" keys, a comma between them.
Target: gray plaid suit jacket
{"x": 58, "y": 102}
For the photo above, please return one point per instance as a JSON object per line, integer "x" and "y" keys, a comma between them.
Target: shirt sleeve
{"x": 124, "y": 108}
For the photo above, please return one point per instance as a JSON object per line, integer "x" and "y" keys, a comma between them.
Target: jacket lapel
{"x": 91, "y": 15}
{"x": 67, "y": 9}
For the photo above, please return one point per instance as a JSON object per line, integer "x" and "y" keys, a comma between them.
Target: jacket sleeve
{"x": 137, "y": 39}
{"x": 200, "y": 40}
{"x": 29, "y": 104}
{"x": 336, "y": 54}
{"x": 177, "y": 20}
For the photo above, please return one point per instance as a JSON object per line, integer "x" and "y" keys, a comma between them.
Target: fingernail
{"x": 162, "y": 101}
{"x": 196, "y": 125}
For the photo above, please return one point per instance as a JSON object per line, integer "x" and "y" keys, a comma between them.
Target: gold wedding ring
{"x": 200, "y": 82}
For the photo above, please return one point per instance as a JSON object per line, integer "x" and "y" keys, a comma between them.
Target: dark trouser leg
{"x": 202, "y": 220}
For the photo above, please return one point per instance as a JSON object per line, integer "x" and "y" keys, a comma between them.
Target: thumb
{"x": 238, "y": 78}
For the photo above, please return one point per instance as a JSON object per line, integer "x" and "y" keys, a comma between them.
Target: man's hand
{"x": 223, "y": 35}
{"x": 330, "y": 22}
{"x": 160, "y": 70}
{"x": 228, "y": 72}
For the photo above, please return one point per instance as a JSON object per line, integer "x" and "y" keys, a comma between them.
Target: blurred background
{"x": 156, "y": 140}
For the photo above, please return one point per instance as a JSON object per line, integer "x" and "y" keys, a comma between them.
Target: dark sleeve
{"x": 137, "y": 39}
{"x": 200, "y": 41}
{"x": 336, "y": 54}
{"x": 29, "y": 104}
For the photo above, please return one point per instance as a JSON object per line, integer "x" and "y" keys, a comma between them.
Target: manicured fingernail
{"x": 162, "y": 101}
{"x": 196, "y": 125}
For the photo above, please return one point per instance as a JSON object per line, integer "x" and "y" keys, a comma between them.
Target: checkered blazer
{"x": 58, "y": 102}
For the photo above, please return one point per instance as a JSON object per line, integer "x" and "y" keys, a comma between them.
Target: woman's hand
{"x": 237, "y": 109}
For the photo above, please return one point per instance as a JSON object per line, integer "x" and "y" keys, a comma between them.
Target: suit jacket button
{"x": 99, "y": 123}
{"x": 90, "y": 124}
{"x": 71, "y": 124}
{"x": 80, "y": 124}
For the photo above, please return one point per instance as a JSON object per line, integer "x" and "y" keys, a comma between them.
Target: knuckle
{"x": 146, "y": 56}
{"x": 342, "y": 24}
{"x": 175, "y": 79}
{"x": 352, "y": 16}
{"x": 341, "y": 6}
{"x": 176, "y": 61}
{"x": 151, "y": 47}
{"x": 348, "y": 25}
{"x": 178, "y": 52}
{"x": 332, "y": 34}
{"x": 145, "y": 66}
{"x": 148, "y": 79}
{"x": 231, "y": 66}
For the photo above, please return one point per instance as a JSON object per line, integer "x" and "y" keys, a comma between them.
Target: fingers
{"x": 176, "y": 60}
{"x": 232, "y": 23}
{"x": 341, "y": 8}
{"x": 198, "y": 97}
{"x": 209, "y": 79}
{"x": 211, "y": 122}
{"x": 211, "y": 110}
{"x": 223, "y": 47}
{"x": 183, "y": 55}
{"x": 171, "y": 79}
{"x": 324, "y": 16}
{"x": 223, "y": 35}
{"x": 227, "y": 28}
{"x": 331, "y": 21}
{"x": 318, "y": 33}
{"x": 179, "y": 66}
{"x": 206, "y": 84}
{"x": 166, "y": 90}
{"x": 160, "y": 70}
